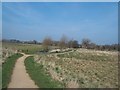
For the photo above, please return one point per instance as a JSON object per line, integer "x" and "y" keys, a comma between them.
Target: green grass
{"x": 25, "y": 48}
{"x": 0, "y": 77}
{"x": 7, "y": 69}
{"x": 38, "y": 74}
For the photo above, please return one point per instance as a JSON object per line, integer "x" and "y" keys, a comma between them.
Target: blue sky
{"x": 34, "y": 21}
{"x": 0, "y": 21}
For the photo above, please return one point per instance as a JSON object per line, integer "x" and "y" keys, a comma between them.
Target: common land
{"x": 74, "y": 68}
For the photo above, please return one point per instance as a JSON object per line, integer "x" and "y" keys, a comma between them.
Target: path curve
{"x": 21, "y": 79}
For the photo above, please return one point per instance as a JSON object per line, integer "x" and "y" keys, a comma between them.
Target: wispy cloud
{"x": 16, "y": 11}
{"x": 76, "y": 20}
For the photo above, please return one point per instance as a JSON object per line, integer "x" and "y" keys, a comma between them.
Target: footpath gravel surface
{"x": 20, "y": 78}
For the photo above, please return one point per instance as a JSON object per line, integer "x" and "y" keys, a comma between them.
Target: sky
{"x": 0, "y": 21}
{"x": 77, "y": 20}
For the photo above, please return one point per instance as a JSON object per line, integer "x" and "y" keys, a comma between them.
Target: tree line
{"x": 64, "y": 42}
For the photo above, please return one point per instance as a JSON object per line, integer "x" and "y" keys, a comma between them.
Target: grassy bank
{"x": 0, "y": 77}
{"x": 7, "y": 69}
{"x": 38, "y": 74}
{"x": 83, "y": 69}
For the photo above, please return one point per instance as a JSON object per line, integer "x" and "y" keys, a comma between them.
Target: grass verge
{"x": 38, "y": 74}
{"x": 0, "y": 77}
{"x": 7, "y": 69}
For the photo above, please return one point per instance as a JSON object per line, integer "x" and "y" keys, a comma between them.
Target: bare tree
{"x": 70, "y": 43}
{"x": 73, "y": 44}
{"x": 47, "y": 42}
{"x": 92, "y": 46}
{"x": 63, "y": 42}
{"x": 85, "y": 43}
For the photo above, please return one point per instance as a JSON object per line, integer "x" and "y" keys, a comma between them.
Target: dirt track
{"x": 20, "y": 79}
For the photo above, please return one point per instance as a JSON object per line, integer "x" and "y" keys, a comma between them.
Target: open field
{"x": 76, "y": 68}
{"x": 9, "y": 49}
{"x": 62, "y": 44}
{"x": 26, "y": 48}
{"x": 82, "y": 68}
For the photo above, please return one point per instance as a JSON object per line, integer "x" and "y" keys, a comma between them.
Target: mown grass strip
{"x": 7, "y": 69}
{"x": 38, "y": 74}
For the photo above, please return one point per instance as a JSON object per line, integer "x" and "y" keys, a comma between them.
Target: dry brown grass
{"x": 83, "y": 73}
